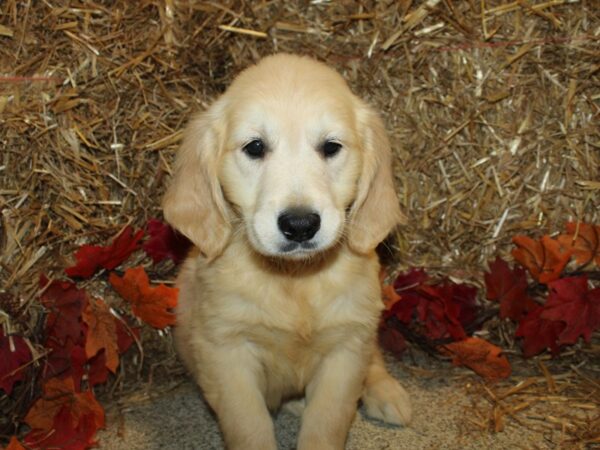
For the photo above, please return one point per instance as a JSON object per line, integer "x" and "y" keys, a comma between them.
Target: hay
{"x": 492, "y": 109}
{"x": 563, "y": 407}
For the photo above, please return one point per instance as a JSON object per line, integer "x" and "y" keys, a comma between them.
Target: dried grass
{"x": 492, "y": 108}
{"x": 564, "y": 408}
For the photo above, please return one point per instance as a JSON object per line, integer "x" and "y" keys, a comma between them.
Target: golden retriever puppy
{"x": 284, "y": 185}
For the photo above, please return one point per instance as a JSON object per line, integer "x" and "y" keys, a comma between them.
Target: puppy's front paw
{"x": 386, "y": 400}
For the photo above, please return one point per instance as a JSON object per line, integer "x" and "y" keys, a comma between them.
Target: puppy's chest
{"x": 295, "y": 315}
{"x": 304, "y": 314}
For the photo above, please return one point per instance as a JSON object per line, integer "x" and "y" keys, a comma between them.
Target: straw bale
{"x": 492, "y": 109}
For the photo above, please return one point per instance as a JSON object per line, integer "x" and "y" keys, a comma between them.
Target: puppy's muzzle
{"x": 298, "y": 224}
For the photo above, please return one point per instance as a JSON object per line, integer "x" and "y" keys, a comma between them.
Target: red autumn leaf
{"x": 65, "y": 434}
{"x": 410, "y": 280}
{"x": 392, "y": 340}
{"x": 508, "y": 287}
{"x": 14, "y": 355}
{"x": 464, "y": 297}
{"x": 441, "y": 310}
{"x": 538, "y": 333}
{"x": 165, "y": 242}
{"x": 572, "y": 302}
{"x": 65, "y": 339}
{"x": 97, "y": 370}
{"x": 69, "y": 348}
{"x": 64, "y": 303}
{"x": 408, "y": 283}
{"x": 14, "y": 444}
{"x": 479, "y": 355}
{"x": 76, "y": 369}
{"x": 439, "y": 315}
{"x": 125, "y": 335}
{"x": 545, "y": 259}
{"x": 101, "y": 332}
{"x": 90, "y": 258}
{"x": 583, "y": 240}
{"x": 152, "y": 304}
{"x": 58, "y": 394}
{"x": 65, "y": 361}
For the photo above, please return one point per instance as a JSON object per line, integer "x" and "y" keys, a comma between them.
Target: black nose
{"x": 299, "y": 224}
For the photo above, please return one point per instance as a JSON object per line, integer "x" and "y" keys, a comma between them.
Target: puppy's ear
{"x": 376, "y": 210}
{"x": 194, "y": 202}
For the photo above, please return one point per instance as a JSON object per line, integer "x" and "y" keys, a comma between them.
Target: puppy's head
{"x": 289, "y": 156}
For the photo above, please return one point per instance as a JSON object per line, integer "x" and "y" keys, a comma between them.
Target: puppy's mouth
{"x": 298, "y": 248}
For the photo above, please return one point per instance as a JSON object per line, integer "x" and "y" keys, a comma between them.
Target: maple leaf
{"x": 442, "y": 309}
{"x": 90, "y": 258}
{"x": 439, "y": 315}
{"x": 97, "y": 370}
{"x": 14, "y": 355}
{"x": 508, "y": 287}
{"x": 583, "y": 240}
{"x": 151, "y": 304}
{"x": 14, "y": 444}
{"x": 58, "y": 394}
{"x": 66, "y": 360}
{"x": 64, "y": 303}
{"x": 65, "y": 338}
{"x": 479, "y": 355}
{"x": 101, "y": 333}
{"x": 570, "y": 301}
{"x": 465, "y": 299}
{"x": 65, "y": 434}
{"x": 165, "y": 242}
{"x": 408, "y": 283}
{"x": 410, "y": 280}
{"x": 538, "y": 333}
{"x": 545, "y": 259}
{"x": 392, "y": 340}
{"x": 125, "y": 335}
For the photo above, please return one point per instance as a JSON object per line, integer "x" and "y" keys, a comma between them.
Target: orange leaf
{"x": 479, "y": 355}
{"x": 151, "y": 304}
{"x": 14, "y": 444}
{"x": 390, "y": 296}
{"x": 583, "y": 240}
{"x": 59, "y": 393}
{"x": 101, "y": 332}
{"x": 545, "y": 259}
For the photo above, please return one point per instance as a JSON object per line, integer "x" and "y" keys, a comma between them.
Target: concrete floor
{"x": 180, "y": 420}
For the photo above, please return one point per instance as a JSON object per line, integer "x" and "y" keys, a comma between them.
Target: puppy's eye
{"x": 255, "y": 149}
{"x": 330, "y": 149}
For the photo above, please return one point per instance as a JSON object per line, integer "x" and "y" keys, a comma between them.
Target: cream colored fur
{"x": 257, "y": 326}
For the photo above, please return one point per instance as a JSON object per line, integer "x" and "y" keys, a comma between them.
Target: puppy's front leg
{"x": 232, "y": 384}
{"x": 331, "y": 401}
